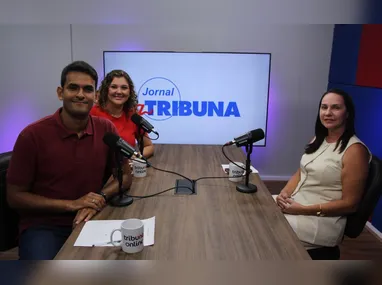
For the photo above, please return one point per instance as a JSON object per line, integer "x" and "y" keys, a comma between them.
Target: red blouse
{"x": 127, "y": 130}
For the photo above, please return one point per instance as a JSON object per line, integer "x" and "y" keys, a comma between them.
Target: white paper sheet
{"x": 97, "y": 233}
{"x": 225, "y": 166}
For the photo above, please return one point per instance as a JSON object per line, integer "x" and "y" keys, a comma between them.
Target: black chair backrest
{"x": 357, "y": 221}
{"x": 4, "y": 160}
{"x": 8, "y": 217}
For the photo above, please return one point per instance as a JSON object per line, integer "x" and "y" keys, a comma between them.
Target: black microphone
{"x": 248, "y": 138}
{"x": 144, "y": 124}
{"x": 114, "y": 141}
{"x": 120, "y": 146}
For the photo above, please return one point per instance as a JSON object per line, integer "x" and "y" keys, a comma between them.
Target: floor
{"x": 366, "y": 247}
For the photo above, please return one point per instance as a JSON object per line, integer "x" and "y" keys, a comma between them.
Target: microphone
{"x": 114, "y": 141}
{"x": 248, "y": 138}
{"x": 143, "y": 123}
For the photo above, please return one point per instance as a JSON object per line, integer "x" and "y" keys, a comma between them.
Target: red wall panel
{"x": 369, "y": 70}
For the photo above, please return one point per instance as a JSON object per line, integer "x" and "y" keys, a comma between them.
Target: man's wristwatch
{"x": 103, "y": 195}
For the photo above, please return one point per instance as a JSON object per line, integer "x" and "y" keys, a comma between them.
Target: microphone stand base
{"x": 119, "y": 201}
{"x": 250, "y": 188}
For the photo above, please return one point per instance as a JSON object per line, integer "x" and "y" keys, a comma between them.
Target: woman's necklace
{"x": 115, "y": 115}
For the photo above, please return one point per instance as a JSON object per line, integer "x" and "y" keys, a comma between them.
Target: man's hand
{"x": 84, "y": 215}
{"x": 90, "y": 200}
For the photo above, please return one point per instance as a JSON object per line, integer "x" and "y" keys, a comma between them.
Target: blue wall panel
{"x": 344, "y": 59}
{"x": 368, "y": 106}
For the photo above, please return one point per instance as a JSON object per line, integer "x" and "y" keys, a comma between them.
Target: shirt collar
{"x": 64, "y": 132}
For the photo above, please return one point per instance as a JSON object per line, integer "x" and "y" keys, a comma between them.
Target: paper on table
{"x": 97, "y": 233}
{"x": 226, "y": 166}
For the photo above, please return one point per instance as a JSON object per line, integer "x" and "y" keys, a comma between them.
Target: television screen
{"x": 198, "y": 97}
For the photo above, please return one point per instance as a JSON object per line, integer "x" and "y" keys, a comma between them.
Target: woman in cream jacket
{"x": 332, "y": 176}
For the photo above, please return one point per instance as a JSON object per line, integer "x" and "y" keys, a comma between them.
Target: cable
{"x": 215, "y": 177}
{"x": 193, "y": 182}
{"x": 155, "y": 138}
{"x": 219, "y": 177}
{"x": 161, "y": 192}
{"x": 172, "y": 172}
{"x": 230, "y": 159}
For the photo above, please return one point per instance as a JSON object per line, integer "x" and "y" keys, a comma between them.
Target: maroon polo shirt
{"x": 53, "y": 162}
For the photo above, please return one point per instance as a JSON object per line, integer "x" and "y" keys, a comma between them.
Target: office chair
{"x": 356, "y": 221}
{"x": 8, "y": 217}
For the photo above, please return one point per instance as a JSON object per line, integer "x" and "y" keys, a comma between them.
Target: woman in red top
{"x": 117, "y": 101}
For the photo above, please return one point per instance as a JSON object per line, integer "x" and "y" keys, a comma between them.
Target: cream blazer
{"x": 320, "y": 183}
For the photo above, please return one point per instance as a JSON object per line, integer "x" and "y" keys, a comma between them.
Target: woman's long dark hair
{"x": 104, "y": 89}
{"x": 322, "y": 132}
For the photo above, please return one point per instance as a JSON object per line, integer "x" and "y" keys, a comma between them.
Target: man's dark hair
{"x": 79, "y": 66}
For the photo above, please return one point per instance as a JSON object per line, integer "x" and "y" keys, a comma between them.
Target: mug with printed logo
{"x": 139, "y": 168}
{"x": 132, "y": 236}
{"x": 235, "y": 172}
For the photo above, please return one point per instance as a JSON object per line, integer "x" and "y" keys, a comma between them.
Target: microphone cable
{"x": 158, "y": 193}
{"x": 224, "y": 145}
{"x": 172, "y": 172}
{"x": 223, "y": 177}
{"x": 155, "y": 138}
{"x": 216, "y": 177}
{"x": 172, "y": 188}
{"x": 193, "y": 181}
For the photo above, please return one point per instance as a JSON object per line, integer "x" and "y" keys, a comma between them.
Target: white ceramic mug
{"x": 236, "y": 173}
{"x": 139, "y": 168}
{"x": 132, "y": 236}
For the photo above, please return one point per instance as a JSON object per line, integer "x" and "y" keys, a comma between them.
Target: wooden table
{"x": 218, "y": 223}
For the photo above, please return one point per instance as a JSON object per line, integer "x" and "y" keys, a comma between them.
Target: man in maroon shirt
{"x": 58, "y": 168}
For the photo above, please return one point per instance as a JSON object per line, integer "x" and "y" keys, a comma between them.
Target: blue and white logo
{"x": 162, "y": 100}
{"x": 159, "y": 95}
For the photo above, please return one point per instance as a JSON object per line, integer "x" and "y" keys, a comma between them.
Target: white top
{"x": 320, "y": 183}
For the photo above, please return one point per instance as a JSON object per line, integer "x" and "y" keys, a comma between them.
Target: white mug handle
{"x": 111, "y": 237}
